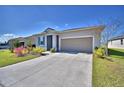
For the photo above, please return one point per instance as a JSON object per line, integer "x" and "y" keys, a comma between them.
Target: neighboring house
{"x": 116, "y": 42}
{"x": 24, "y": 40}
{"x": 71, "y": 40}
{"x": 4, "y": 46}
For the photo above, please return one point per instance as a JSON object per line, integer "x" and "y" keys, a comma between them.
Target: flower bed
{"x": 20, "y": 51}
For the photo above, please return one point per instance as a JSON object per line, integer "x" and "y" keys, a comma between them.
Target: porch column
{"x": 46, "y": 42}
{"x": 59, "y": 43}
{"x": 54, "y": 41}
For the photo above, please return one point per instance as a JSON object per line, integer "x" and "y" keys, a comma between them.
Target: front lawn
{"x": 8, "y": 58}
{"x": 107, "y": 73}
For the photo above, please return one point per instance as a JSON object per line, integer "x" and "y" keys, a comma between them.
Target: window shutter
{"x": 38, "y": 40}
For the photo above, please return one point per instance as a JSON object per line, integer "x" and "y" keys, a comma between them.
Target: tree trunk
{"x": 106, "y": 49}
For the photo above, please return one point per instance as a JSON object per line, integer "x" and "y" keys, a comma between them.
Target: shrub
{"x": 52, "y": 50}
{"x": 29, "y": 43}
{"x": 29, "y": 49}
{"x": 38, "y": 50}
{"x": 100, "y": 52}
{"x": 20, "y": 51}
{"x": 16, "y": 44}
{"x": 96, "y": 48}
{"x": 11, "y": 49}
{"x": 25, "y": 51}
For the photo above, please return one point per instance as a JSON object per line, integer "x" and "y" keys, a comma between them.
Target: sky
{"x": 28, "y": 20}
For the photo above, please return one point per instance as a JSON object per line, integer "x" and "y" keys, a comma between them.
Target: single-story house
{"x": 4, "y": 45}
{"x": 116, "y": 42}
{"x": 70, "y": 40}
{"x": 24, "y": 40}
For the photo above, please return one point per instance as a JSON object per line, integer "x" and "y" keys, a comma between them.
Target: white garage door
{"x": 77, "y": 44}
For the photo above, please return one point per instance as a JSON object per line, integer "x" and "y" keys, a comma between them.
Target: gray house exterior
{"x": 70, "y": 40}
{"x": 116, "y": 42}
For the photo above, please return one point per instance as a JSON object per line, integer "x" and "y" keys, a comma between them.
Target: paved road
{"x": 54, "y": 70}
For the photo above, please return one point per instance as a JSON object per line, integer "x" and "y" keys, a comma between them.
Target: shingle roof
{"x": 100, "y": 27}
{"x": 50, "y": 29}
{"x": 85, "y": 28}
{"x": 117, "y": 37}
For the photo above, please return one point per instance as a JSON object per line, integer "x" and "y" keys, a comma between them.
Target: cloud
{"x": 6, "y": 37}
{"x": 56, "y": 27}
{"x": 66, "y": 24}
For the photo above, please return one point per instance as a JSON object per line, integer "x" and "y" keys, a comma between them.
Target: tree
{"x": 16, "y": 43}
{"x": 111, "y": 28}
{"x": 29, "y": 43}
{"x": 13, "y": 44}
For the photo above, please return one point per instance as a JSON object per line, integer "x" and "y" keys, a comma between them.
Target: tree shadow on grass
{"x": 116, "y": 53}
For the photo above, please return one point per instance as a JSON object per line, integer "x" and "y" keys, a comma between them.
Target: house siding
{"x": 116, "y": 44}
{"x": 37, "y": 41}
{"x": 76, "y": 33}
{"x": 87, "y": 33}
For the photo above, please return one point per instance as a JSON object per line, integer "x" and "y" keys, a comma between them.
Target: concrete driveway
{"x": 54, "y": 70}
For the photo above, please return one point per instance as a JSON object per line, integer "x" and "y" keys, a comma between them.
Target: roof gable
{"x": 99, "y": 28}
{"x": 49, "y": 30}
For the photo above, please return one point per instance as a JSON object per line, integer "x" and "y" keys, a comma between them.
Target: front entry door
{"x": 22, "y": 44}
{"x": 49, "y": 42}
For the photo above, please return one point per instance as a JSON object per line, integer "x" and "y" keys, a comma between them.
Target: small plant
{"x": 29, "y": 46}
{"x": 100, "y": 52}
{"x": 20, "y": 51}
{"x": 29, "y": 43}
{"x": 38, "y": 50}
{"x": 52, "y": 50}
{"x": 11, "y": 49}
{"x": 29, "y": 49}
{"x": 25, "y": 51}
{"x": 14, "y": 44}
{"x": 96, "y": 48}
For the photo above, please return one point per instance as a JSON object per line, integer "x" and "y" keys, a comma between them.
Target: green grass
{"x": 8, "y": 58}
{"x": 107, "y": 73}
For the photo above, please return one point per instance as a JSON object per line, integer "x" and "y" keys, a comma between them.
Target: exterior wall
{"x": 116, "y": 44}
{"x": 80, "y": 34}
{"x": 71, "y": 34}
{"x": 26, "y": 40}
{"x": 53, "y": 41}
{"x": 45, "y": 42}
{"x": 36, "y": 42}
{"x": 75, "y": 34}
{"x": 13, "y": 40}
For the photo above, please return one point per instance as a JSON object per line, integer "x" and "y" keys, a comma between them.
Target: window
{"x": 121, "y": 41}
{"x": 38, "y": 40}
{"x": 41, "y": 40}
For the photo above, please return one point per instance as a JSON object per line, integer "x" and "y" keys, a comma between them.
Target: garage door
{"x": 77, "y": 44}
